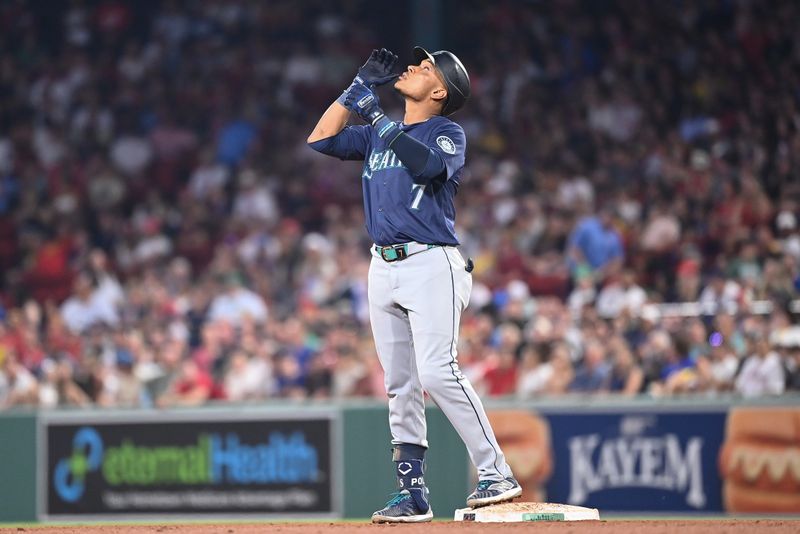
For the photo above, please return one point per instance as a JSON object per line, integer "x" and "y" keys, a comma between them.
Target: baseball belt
{"x": 391, "y": 253}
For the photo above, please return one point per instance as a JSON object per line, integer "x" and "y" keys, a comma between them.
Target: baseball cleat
{"x": 402, "y": 508}
{"x": 494, "y": 491}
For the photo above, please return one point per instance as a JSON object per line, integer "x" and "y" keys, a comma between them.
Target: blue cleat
{"x": 494, "y": 491}
{"x": 405, "y": 508}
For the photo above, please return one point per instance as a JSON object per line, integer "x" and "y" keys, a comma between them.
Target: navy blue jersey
{"x": 399, "y": 209}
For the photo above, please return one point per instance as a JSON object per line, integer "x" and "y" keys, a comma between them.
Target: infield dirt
{"x": 726, "y": 526}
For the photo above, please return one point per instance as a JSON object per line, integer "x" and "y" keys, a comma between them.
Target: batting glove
{"x": 378, "y": 69}
{"x": 375, "y": 72}
{"x": 362, "y": 101}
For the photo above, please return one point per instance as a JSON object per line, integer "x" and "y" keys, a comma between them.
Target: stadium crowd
{"x": 167, "y": 238}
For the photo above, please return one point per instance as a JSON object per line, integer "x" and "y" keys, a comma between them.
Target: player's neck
{"x": 417, "y": 112}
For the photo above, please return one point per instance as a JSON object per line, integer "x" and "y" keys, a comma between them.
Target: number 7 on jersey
{"x": 420, "y": 189}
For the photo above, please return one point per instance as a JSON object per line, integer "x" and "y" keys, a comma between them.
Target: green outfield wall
{"x": 333, "y": 460}
{"x": 103, "y": 464}
{"x": 369, "y": 473}
{"x": 17, "y": 466}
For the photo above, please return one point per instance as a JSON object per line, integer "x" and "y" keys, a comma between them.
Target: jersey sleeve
{"x": 352, "y": 143}
{"x": 449, "y": 142}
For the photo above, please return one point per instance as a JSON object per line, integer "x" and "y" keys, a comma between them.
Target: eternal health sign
{"x": 214, "y": 466}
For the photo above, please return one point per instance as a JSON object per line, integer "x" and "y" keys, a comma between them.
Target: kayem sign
{"x": 667, "y": 466}
{"x": 637, "y": 461}
{"x": 619, "y": 459}
{"x": 226, "y": 463}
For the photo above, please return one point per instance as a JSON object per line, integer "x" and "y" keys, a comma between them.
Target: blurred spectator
{"x": 48, "y": 272}
{"x": 59, "y": 389}
{"x": 18, "y": 387}
{"x": 253, "y": 201}
{"x": 237, "y": 303}
{"x": 596, "y": 243}
{"x": 584, "y": 292}
{"x": 131, "y": 155}
{"x": 209, "y": 178}
{"x": 677, "y": 372}
{"x": 625, "y": 377}
{"x": 563, "y": 372}
{"x": 762, "y": 372}
{"x": 120, "y": 386}
{"x": 289, "y": 376}
{"x": 319, "y": 379}
{"x": 318, "y": 270}
{"x": 108, "y": 289}
{"x": 662, "y": 231}
{"x": 720, "y": 293}
{"x": 593, "y": 373}
{"x": 235, "y": 139}
{"x": 87, "y": 307}
{"x": 349, "y": 374}
{"x": 621, "y": 295}
{"x": 717, "y": 371}
{"x": 241, "y": 382}
{"x": 106, "y": 189}
{"x": 501, "y": 377}
{"x": 534, "y": 374}
{"x": 191, "y": 386}
{"x": 729, "y": 334}
{"x": 697, "y": 339}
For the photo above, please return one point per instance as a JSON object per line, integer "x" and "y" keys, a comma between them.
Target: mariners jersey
{"x": 399, "y": 209}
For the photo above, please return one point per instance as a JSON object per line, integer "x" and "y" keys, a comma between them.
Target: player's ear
{"x": 439, "y": 94}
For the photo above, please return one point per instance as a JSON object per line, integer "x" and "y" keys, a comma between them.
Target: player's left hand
{"x": 362, "y": 101}
{"x": 378, "y": 69}
{"x": 375, "y": 72}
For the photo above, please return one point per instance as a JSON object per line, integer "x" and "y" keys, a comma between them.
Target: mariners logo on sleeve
{"x": 446, "y": 144}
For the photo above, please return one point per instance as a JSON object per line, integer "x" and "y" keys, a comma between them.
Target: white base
{"x": 519, "y": 512}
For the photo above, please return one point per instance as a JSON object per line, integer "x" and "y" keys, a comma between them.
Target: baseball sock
{"x": 408, "y": 451}
{"x": 410, "y": 464}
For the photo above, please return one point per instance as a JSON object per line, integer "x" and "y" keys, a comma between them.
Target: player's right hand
{"x": 362, "y": 101}
{"x": 378, "y": 68}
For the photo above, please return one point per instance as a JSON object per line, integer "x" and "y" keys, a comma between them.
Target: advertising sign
{"x": 222, "y": 464}
{"x": 760, "y": 461}
{"x": 617, "y": 460}
{"x": 637, "y": 461}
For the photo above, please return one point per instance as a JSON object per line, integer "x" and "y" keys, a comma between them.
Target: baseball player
{"x": 418, "y": 281}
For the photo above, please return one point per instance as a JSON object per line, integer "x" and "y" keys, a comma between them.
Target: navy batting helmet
{"x": 454, "y": 74}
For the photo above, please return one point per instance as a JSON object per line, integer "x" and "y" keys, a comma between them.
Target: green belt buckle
{"x": 390, "y": 253}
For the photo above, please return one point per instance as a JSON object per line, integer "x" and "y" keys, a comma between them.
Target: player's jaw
{"x": 418, "y": 81}
{"x": 403, "y": 81}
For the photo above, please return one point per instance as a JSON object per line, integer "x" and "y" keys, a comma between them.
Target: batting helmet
{"x": 454, "y": 74}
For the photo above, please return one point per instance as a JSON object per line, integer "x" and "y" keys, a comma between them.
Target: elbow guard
{"x": 423, "y": 162}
